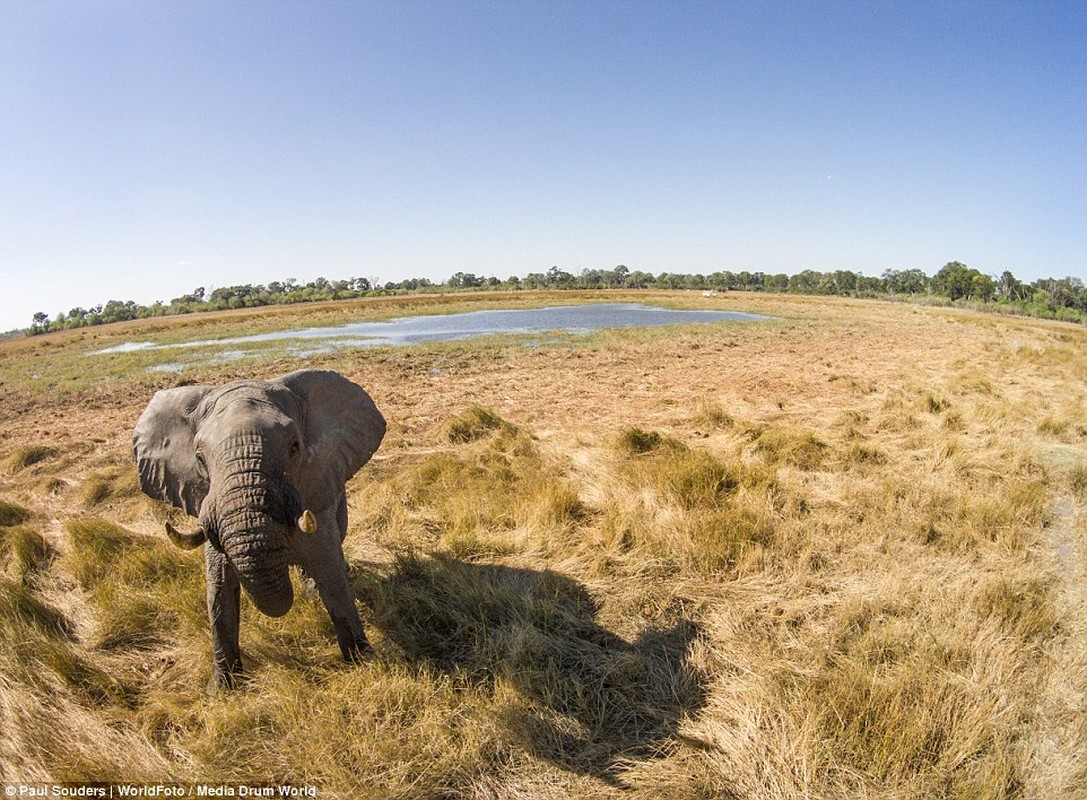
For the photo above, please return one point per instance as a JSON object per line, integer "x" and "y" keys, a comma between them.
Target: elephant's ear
{"x": 164, "y": 449}
{"x": 342, "y": 428}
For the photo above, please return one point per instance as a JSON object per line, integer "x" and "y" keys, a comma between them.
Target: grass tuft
{"x": 12, "y": 514}
{"x": 19, "y": 605}
{"x": 797, "y": 448}
{"x": 711, "y": 414}
{"x": 30, "y": 553}
{"x": 1077, "y": 479}
{"x": 896, "y": 701}
{"x": 144, "y": 589}
{"x": 112, "y": 484}
{"x": 474, "y": 423}
{"x": 1023, "y": 605}
{"x": 636, "y": 441}
{"x": 30, "y": 455}
{"x": 691, "y": 478}
{"x": 935, "y": 403}
{"x": 865, "y": 455}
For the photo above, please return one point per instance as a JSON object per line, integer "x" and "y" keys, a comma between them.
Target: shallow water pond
{"x": 580, "y": 319}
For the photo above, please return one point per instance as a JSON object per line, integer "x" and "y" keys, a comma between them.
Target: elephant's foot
{"x": 226, "y": 677}
{"x": 357, "y": 650}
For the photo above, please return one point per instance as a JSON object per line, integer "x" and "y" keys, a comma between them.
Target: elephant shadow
{"x": 593, "y": 703}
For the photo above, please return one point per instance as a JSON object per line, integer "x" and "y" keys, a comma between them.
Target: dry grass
{"x": 838, "y": 554}
{"x": 29, "y": 455}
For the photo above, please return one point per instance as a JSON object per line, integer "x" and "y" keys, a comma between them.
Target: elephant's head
{"x": 255, "y": 461}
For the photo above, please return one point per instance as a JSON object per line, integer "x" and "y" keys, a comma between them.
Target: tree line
{"x": 955, "y": 283}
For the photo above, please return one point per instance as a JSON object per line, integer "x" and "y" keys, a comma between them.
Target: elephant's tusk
{"x": 186, "y": 541}
{"x": 307, "y": 523}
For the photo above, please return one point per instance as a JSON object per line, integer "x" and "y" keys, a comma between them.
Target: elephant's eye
{"x": 200, "y": 460}
{"x": 296, "y": 446}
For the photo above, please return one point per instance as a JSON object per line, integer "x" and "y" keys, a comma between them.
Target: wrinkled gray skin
{"x": 248, "y": 459}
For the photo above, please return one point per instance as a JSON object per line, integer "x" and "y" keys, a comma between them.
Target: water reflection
{"x": 581, "y": 319}
{"x": 447, "y": 327}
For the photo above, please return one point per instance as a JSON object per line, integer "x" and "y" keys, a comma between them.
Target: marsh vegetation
{"x": 840, "y": 553}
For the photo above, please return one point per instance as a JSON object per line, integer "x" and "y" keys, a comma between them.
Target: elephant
{"x": 262, "y": 464}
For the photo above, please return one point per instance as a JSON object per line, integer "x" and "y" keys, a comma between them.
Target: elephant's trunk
{"x": 258, "y": 550}
{"x": 252, "y": 513}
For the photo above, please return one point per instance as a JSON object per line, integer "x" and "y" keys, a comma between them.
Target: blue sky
{"x": 147, "y": 148}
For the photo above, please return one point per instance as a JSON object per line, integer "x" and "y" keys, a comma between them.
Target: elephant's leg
{"x": 224, "y": 613}
{"x": 321, "y": 556}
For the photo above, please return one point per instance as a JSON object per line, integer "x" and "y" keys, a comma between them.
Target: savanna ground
{"x": 842, "y": 553}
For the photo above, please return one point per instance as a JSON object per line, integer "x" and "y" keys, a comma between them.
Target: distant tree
{"x": 776, "y": 283}
{"x": 617, "y": 278}
{"x": 913, "y": 281}
{"x": 1063, "y": 292}
{"x": 639, "y": 280}
{"x": 559, "y": 278}
{"x": 805, "y": 282}
{"x": 464, "y": 280}
{"x": 119, "y": 311}
{"x": 954, "y": 280}
{"x": 1009, "y": 287}
{"x": 592, "y": 279}
{"x": 982, "y": 287}
{"x": 844, "y": 282}
{"x": 869, "y": 286}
